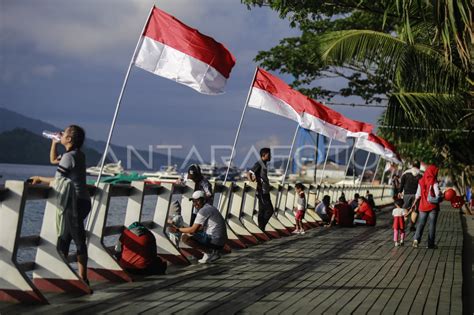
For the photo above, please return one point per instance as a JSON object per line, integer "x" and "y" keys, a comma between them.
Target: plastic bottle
{"x": 52, "y": 135}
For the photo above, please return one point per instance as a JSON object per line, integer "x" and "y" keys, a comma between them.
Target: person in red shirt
{"x": 343, "y": 215}
{"x": 137, "y": 251}
{"x": 364, "y": 213}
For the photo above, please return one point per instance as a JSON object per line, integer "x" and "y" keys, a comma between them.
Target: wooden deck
{"x": 333, "y": 271}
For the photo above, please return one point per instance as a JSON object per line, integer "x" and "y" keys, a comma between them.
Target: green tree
{"x": 413, "y": 53}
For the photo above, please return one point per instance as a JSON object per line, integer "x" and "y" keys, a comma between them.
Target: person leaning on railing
{"x": 72, "y": 166}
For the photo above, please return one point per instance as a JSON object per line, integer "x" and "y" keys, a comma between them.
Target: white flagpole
{"x": 240, "y": 125}
{"x": 325, "y": 161}
{"x": 350, "y": 157}
{"x": 290, "y": 154}
{"x": 363, "y": 170}
{"x": 124, "y": 85}
{"x": 376, "y": 169}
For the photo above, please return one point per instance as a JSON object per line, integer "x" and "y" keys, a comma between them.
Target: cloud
{"x": 106, "y": 31}
{"x": 46, "y": 71}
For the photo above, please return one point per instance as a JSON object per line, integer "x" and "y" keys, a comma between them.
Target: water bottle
{"x": 52, "y": 135}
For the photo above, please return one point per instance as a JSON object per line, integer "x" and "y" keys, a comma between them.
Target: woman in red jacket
{"x": 428, "y": 195}
{"x": 365, "y": 212}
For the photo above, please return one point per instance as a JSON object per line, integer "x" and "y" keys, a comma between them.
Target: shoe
{"x": 415, "y": 243}
{"x": 397, "y": 244}
{"x": 402, "y": 243}
{"x": 302, "y": 232}
{"x": 296, "y": 232}
{"x": 432, "y": 246}
{"x": 208, "y": 258}
{"x": 205, "y": 258}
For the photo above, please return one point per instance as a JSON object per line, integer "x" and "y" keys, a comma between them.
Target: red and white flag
{"x": 391, "y": 153}
{"x": 173, "y": 50}
{"x": 270, "y": 93}
{"x": 371, "y": 144}
{"x": 379, "y": 146}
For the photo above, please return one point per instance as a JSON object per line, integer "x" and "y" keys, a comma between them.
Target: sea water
{"x": 34, "y": 209}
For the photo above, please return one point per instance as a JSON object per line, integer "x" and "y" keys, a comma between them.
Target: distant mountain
{"x": 10, "y": 120}
{"x": 25, "y": 147}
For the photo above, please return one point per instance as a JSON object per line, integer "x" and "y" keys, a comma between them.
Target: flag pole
{"x": 119, "y": 101}
{"x": 376, "y": 169}
{"x": 325, "y": 161}
{"x": 290, "y": 154}
{"x": 316, "y": 153}
{"x": 240, "y": 125}
{"x": 363, "y": 170}
{"x": 350, "y": 157}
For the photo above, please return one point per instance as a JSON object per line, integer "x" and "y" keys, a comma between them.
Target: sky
{"x": 64, "y": 62}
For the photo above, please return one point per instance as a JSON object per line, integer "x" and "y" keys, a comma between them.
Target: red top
{"x": 344, "y": 214}
{"x": 367, "y": 213}
{"x": 138, "y": 252}
{"x": 428, "y": 180}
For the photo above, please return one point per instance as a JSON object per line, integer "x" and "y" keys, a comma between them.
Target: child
{"x": 177, "y": 220}
{"x": 300, "y": 208}
{"x": 399, "y": 223}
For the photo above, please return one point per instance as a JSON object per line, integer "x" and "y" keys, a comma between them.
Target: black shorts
{"x": 74, "y": 228}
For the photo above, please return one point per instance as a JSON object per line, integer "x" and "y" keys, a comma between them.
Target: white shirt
{"x": 398, "y": 212}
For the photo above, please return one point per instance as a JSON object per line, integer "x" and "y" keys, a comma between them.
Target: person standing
{"x": 259, "y": 173}
{"x": 398, "y": 215}
{"x": 408, "y": 187}
{"x": 300, "y": 208}
{"x": 428, "y": 195}
{"x": 72, "y": 166}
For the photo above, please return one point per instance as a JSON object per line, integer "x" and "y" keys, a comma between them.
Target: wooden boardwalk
{"x": 331, "y": 271}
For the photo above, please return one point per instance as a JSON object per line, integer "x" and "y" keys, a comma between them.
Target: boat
{"x": 166, "y": 174}
{"x": 275, "y": 175}
{"x": 209, "y": 171}
{"x": 110, "y": 169}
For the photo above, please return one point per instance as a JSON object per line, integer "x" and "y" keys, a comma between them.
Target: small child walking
{"x": 399, "y": 223}
{"x": 300, "y": 208}
{"x": 175, "y": 219}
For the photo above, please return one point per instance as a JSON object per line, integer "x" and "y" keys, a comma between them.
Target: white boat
{"x": 110, "y": 169}
{"x": 167, "y": 174}
{"x": 209, "y": 171}
{"x": 276, "y": 175}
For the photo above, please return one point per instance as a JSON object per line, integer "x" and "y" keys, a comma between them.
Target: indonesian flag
{"x": 391, "y": 153}
{"x": 173, "y": 50}
{"x": 371, "y": 144}
{"x": 271, "y": 94}
{"x": 379, "y": 146}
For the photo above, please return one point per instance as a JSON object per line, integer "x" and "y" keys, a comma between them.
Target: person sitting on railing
{"x": 364, "y": 213}
{"x": 323, "y": 209}
{"x": 208, "y": 233}
{"x": 137, "y": 252}
{"x": 72, "y": 165}
{"x": 343, "y": 215}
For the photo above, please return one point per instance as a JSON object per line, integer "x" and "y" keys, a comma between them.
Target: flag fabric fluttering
{"x": 173, "y": 50}
{"x": 379, "y": 146}
{"x": 270, "y": 93}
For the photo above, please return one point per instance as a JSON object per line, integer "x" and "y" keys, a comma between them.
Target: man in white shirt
{"x": 208, "y": 232}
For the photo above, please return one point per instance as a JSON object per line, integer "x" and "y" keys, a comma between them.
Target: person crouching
{"x": 208, "y": 233}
